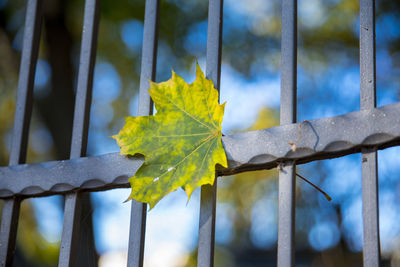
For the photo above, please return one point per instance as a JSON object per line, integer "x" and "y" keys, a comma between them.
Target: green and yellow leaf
{"x": 181, "y": 142}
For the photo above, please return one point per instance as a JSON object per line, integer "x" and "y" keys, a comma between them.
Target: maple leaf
{"x": 181, "y": 142}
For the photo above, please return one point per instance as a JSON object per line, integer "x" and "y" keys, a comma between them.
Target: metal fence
{"x": 363, "y": 131}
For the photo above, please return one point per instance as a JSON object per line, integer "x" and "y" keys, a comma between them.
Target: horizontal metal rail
{"x": 262, "y": 149}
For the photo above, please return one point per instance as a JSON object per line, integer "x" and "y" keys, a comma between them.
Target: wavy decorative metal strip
{"x": 264, "y": 149}
{"x": 320, "y": 139}
{"x": 88, "y": 173}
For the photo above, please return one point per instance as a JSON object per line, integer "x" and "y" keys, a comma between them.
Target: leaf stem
{"x": 316, "y": 187}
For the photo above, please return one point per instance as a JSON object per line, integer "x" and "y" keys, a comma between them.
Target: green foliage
{"x": 181, "y": 142}
{"x": 36, "y": 249}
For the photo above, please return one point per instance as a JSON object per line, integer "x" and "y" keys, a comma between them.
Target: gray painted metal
{"x": 85, "y": 79}
{"x": 75, "y": 237}
{"x": 371, "y": 249}
{"x": 69, "y": 238}
{"x": 137, "y": 234}
{"x": 286, "y": 214}
{"x": 148, "y": 71}
{"x": 320, "y": 139}
{"x": 149, "y": 56}
{"x": 370, "y": 184}
{"x": 255, "y": 150}
{"x": 9, "y": 226}
{"x": 56, "y": 177}
{"x": 287, "y": 174}
{"x": 10, "y": 213}
{"x": 23, "y": 110}
{"x": 205, "y": 255}
{"x": 367, "y": 55}
{"x": 289, "y": 62}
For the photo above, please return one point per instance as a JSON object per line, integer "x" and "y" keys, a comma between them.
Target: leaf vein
{"x": 191, "y": 152}
{"x": 186, "y": 113}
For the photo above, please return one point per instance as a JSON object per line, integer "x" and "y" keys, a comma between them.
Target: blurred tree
{"x": 34, "y": 247}
{"x": 243, "y": 190}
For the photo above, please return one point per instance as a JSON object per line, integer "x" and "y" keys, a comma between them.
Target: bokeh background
{"x": 327, "y": 233}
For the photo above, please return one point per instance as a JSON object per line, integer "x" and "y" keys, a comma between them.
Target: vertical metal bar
{"x": 214, "y": 41}
{"x": 148, "y": 71}
{"x": 70, "y": 230}
{"x": 367, "y": 55}
{"x": 85, "y": 79}
{"x": 9, "y": 226}
{"x": 149, "y": 56}
{"x": 23, "y": 111}
{"x": 10, "y": 214}
{"x": 205, "y": 256}
{"x": 287, "y": 182}
{"x": 371, "y": 244}
{"x": 286, "y": 215}
{"x": 370, "y": 184}
{"x": 289, "y": 62}
{"x": 77, "y": 204}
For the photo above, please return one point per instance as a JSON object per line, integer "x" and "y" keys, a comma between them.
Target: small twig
{"x": 293, "y": 144}
{"x": 316, "y": 187}
{"x": 279, "y": 167}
